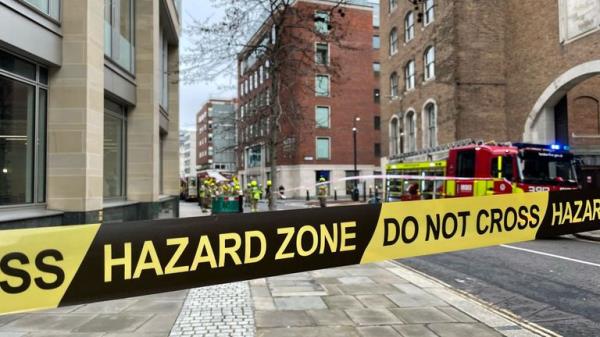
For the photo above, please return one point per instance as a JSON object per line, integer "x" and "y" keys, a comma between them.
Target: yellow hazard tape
{"x": 50, "y": 267}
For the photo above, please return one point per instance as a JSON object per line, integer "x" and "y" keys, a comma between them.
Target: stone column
{"x": 75, "y": 114}
{"x": 143, "y": 120}
{"x": 171, "y": 141}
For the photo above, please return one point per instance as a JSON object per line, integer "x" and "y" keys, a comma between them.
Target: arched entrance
{"x": 568, "y": 113}
{"x": 541, "y": 124}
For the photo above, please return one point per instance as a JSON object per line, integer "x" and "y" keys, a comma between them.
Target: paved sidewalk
{"x": 376, "y": 300}
{"x": 592, "y": 236}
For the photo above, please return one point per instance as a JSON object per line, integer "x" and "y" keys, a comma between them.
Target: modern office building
{"x": 88, "y": 111}
{"x": 326, "y": 98}
{"x": 493, "y": 70}
{"x": 216, "y": 134}
{"x": 187, "y": 153}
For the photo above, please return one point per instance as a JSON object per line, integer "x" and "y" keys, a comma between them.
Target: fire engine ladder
{"x": 434, "y": 153}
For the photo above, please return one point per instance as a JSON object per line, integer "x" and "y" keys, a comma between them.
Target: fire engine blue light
{"x": 555, "y": 147}
{"x": 566, "y": 148}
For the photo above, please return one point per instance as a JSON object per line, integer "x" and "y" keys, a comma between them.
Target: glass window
{"x": 323, "y": 148}
{"x": 118, "y": 32}
{"x": 394, "y": 136}
{"x": 322, "y": 53}
{"x": 409, "y": 27}
{"x": 322, "y": 117}
{"x": 429, "y": 11}
{"x": 376, "y": 15}
{"x": 322, "y": 85}
{"x": 393, "y": 41}
{"x": 429, "y": 62}
{"x": 409, "y": 75}
{"x": 164, "y": 71}
{"x": 376, "y": 42}
{"x": 17, "y": 66}
{"x": 394, "y": 85}
{"x": 503, "y": 169}
{"x": 114, "y": 150}
{"x": 17, "y": 120}
{"x": 393, "y": 5}
{"x": 48, "y": 7}
{"x": 412, "y": 131}
{"x": 430, "y": 114}
{"x": 466, "y": 164}
{"x": 376, "y": 95}
{"x": 322, "y": 22}
{"x": 377, "y": 149}
{"x": 23, "y": 107}
{"x": 376, "y": 67}
{"x": 377, "y": 123}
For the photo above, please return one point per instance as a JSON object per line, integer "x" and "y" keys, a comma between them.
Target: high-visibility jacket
{"x": 256, "y": 193}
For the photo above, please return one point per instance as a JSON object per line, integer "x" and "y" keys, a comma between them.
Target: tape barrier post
{"x": 50, "y": 267}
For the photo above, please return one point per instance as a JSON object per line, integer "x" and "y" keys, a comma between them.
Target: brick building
{"x": 330, "y": 97}
{"x": 500, "y": 70}
{"x": 216, "y": 139}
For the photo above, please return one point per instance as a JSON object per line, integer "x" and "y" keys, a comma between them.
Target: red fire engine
{"x": 484, "y": 169}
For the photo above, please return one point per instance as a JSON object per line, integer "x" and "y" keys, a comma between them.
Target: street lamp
{"x": 355, "y": 195}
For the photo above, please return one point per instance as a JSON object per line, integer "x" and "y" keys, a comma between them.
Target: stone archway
{"x": 540, "y": 124}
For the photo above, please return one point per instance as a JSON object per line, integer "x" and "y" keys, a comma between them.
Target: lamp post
{"x": 355, "y": 194}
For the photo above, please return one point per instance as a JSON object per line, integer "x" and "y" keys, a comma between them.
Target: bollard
{"x": 241, "y": 204}
{"x": 335, "y": 195}
{"x": 365, "y": 191}
{"x": 370, "y": 193}
{"x": 307, "y": 195}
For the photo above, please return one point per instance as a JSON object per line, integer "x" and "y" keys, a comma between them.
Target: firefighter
{"x": 202, "y": 196}
{"x": 323, "y": 192}
{"x": 268, "y": 193}
{"x": 256, "y": 195}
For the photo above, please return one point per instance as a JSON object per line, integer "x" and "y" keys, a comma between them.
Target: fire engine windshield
{"x": 547, "y": 168}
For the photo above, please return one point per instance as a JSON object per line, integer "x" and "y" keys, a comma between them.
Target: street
{"x": 554, "y": 283}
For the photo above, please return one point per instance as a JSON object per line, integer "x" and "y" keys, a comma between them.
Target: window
{"x": 323, "y": 148}
{"x": 393, "y": 5}
{"x": 261, "y": 74}
{"x": 465, "y": 164}
{"x": 23, "y": 108}
{"x": 377, "y": 123}
{"x": 394, "y": 85}
{"x": 430, "y": 117}
{"x": 376, "y": 67}
{"x": 393, "y": 41}
{"x": 376, "y": 15}
{"x": 412, "y": 131}
{"x": 322, "y": 117}
{"x": 322, "y": 53}
{"x": 48, "y": 7}
{"x": 164, "y": 71}
{"x": 376, "y": 42}
{"x": 322, "y": 22}
{"x": 118, "y": 32}
{"x": 394, "y": 137}
{"x": 409, "y": 27}
{"x": 429, "y": 11}
{"x": 409, "y": 75}
{"x": 503, "y": 169}
{"x": 377, "y": 149}
{"x": 114, "y": 150}
{"x": 322, "y": 85}
{"x": 429, "y": 62}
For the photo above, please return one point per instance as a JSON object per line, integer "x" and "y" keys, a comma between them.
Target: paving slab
{"x": 309, "y": 332}
{"x": 415, "y": 330}
{"x": 373, "y": 317}
{"x": 47, "y": 322}
{"x": 123, "y": 322}
{"x": 330, "y": 317}
{"x": 415, "y": 300}
{"x": 343, "y": 302}
{"x": 422, "y": 315}
{"x": 375, "y": 301}
{"x": 463, "y": 329}
{"x": 378, "y": 331}
{"x": 300, "y": 303}
{"x": 274, "y": 319}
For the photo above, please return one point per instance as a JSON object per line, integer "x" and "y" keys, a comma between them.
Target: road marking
{"x": 552, "y": 255}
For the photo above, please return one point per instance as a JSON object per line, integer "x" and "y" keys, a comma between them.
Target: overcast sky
{"x": 192, "y": 97}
